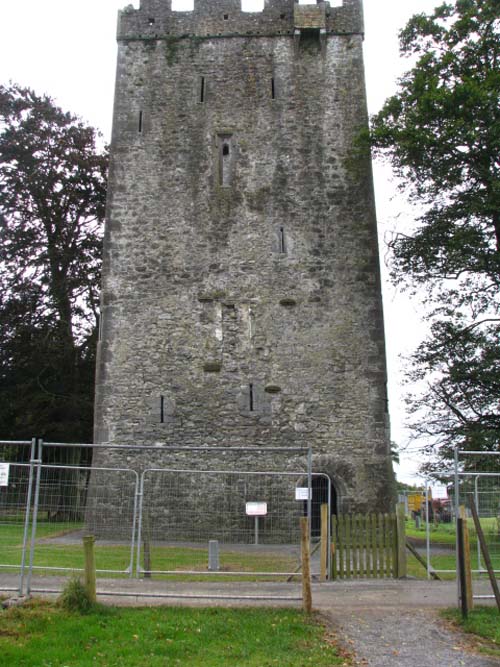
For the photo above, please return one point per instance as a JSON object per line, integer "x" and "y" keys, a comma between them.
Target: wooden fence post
{"x": 306, "y": 566}
{"x": 394, "y": 535}
{"x": 466, "y": 560}
{"x": 347, "y": 538}
{"x": 367, "y": 535}
{"x": 341, "y": 544}
{"x": 387, "y": 544}
{"x": 461, "y": 567}
{"x": 401, "y": 533}
{"x": 374, "y": 545}
{"x": 380, "y": 545}
{"x": 354, "y": 545}
{"x": 333, "y": 573}
{"x": 90, "y": 576}
{"x": 324, "y": 543}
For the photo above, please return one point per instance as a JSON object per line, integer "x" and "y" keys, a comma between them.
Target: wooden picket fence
{"x": 365, "y": 546}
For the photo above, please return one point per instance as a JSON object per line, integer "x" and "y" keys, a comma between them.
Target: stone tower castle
{"x": 241, "y": 300}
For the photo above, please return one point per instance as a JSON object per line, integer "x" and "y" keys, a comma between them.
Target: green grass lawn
{"x": 171, "y": 558}
{"x": 415, "y": 569}
{"x": 117, "y": 557}
{"x": 448, "y": 562}
{"x": 444, "y": 533}
{"x": 43, "y": 635}
{"x": 56, "y": 555}
{"x": 484, "y": 622}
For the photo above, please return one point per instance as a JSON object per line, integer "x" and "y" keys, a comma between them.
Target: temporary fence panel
{"x": 476, "y": 475}
{"x": 51, "y": 495}
{"x": 441, "y": 547}
{"x": 196, "y": 523}
{"x": 364, "y": 546}
{"x": 484, "y": 489}
{"x": 16, "y": 492}
{"x": 71, "y": 501}
{"x": 440, "y": 531}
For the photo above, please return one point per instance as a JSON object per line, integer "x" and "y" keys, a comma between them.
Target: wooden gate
{"x": 364, "y": 546}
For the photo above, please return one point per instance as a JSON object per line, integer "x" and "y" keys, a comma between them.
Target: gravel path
{"x": 404, "y": 638}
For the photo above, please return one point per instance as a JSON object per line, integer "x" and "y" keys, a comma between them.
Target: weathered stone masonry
{"x": 241, "y": 298}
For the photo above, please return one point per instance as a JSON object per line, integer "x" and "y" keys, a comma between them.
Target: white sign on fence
{"x": 4, "y": 474}
{"x": 256, "y": 509}
{"x": 301, "y": 493}
{"x": 440, "y": 492}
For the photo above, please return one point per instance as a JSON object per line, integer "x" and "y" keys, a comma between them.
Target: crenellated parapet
{"x": 155, "y": 19}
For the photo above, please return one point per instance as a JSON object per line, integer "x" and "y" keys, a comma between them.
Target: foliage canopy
{"x": 441, "y": 132}
{"x": 52, "y": 199}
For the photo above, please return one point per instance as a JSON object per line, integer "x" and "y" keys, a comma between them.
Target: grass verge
{"x": 42, "y": 634}
{"x": 483, "y": 623}
{"x": 117, "y": 556}
{"x": 415, "y": 569}
{"x": 444, "y": 533}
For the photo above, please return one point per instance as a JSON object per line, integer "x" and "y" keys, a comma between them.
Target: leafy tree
{"x": 441, "y": 132}
{"x": 52, "y": 199}
{"x": 403, "y": 486}
{"x": 460, "y": 406}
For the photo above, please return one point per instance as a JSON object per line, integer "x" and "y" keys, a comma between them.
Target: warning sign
{"x": 256, "y": 509}
{"x": 4, "y": 474}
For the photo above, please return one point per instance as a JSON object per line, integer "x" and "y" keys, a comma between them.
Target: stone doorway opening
{"x": 323, "y": 492}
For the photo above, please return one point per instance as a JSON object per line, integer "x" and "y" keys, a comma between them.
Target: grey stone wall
{"x": 241, "y": 298}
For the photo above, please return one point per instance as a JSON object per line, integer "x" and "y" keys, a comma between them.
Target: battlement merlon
{"x": 221, "y": 18}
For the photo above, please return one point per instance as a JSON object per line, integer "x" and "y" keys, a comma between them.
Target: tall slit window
{"x": 141, "y": 122}
{"x": 202, "y": 89}
{"x": 281, "y": 240}
{"x": 225, "y": 159}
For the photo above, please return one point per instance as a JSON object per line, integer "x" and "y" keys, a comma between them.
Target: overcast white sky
{"x": 67, "y": 48}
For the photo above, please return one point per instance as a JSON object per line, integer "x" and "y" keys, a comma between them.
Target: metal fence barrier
{"x": 157, "y": 522}
{"x": 16, "y": 491}
{"x": 75, "y": 500}
{"x": 475, "y": 475}
{"x": 251, "y": 518}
